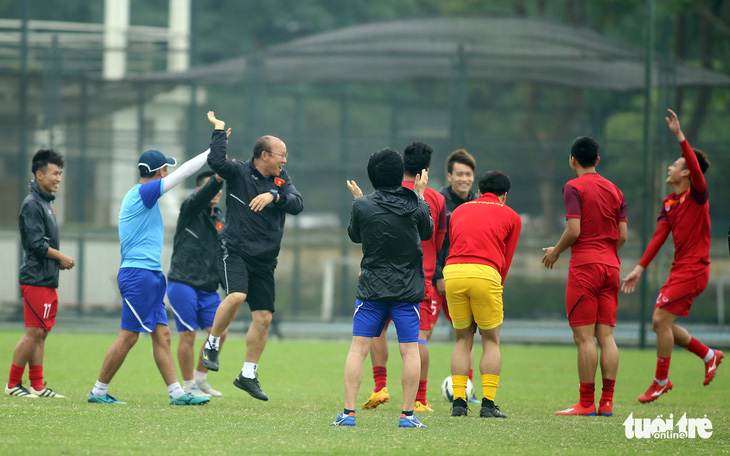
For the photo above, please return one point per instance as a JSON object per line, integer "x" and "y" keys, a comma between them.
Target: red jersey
{"x": 600, "y": 206}
{"x": 687, "y": 216}
{"x": 484, "y": 231}
{"x": 437, "y": 205}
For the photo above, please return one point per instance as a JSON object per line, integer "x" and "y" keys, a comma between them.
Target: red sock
{"x": 587, "y": 394}
{"x": 471, "y": 374}
{"x": 662, "y": 368}
{"x": 16, "y": 375}
{"x": 421, "y": 395}
{"x": 35, "y": 373}
{"x": 607, "y": 393}
{"x": 380, "y": 375}
{"x": 698, "y": 348}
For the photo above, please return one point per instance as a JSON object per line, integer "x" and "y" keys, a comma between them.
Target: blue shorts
{"x": 194, "y": 309}
{"x": 370, "y": 317}
{"x": 143, "y": 299}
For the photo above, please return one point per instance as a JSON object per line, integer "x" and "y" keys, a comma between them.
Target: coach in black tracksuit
{"x": 193, "y": 280}
{"x": 259, "y": 194}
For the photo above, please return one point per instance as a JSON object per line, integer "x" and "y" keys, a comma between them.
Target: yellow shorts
{"x": 474, "y": 293}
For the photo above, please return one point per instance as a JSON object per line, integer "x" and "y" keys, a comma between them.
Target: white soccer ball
{"x": 447, "y": 389}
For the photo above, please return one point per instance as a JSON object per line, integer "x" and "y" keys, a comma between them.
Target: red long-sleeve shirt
{"x": 687, "y": 217}
{"x": 484, "y": 231}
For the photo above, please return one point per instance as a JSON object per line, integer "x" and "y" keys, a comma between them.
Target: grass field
{"x": 304, "y": 381}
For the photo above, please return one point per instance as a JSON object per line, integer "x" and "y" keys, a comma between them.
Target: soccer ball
{"x": 447, "y": 389}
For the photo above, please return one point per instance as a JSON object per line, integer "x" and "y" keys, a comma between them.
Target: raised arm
{"x": 218, "y": 160}
{"x": 202, "y": 197}
{"x": 696, "y": 177}
{"x": 185, "y": 170}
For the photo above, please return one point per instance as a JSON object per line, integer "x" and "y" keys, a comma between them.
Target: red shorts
{"x": 685, "y": 282}
{"x": 591, "y": 295}
{"x": 440, "y": 303}
{"x": 429, "y": 313}
{"x": 39, "y": 306}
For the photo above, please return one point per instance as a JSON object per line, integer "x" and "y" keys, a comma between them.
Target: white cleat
{"x": 195, "y": 391}
{"x": 45, "y": 392}
{"x": 19, "y": 391}
{"x": 206, "y": 388}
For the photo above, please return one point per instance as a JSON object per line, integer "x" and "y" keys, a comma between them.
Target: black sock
{"x": 407, "y": 413}
{"x": 347, "y": 412}
{"x": 487, "y": 403}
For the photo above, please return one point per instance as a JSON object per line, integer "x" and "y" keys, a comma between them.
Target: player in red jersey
{"x": 416, "y": 157}
{"x": 596, "y": 213}
{"x": 483, "y": 235}
{"x": 686, "y": 214}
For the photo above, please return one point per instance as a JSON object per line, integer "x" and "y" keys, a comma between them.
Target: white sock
{"x": 187, "y": 384}
{"x": 100, "y": 389}
{"x": 214, "y": 342}
{"x": 661, "y": 382}
{"x": 249, "y": 370}
{"x": 709, "y": 355}
{"x": 175, "y": 390}
{"x": 200, "y": 377}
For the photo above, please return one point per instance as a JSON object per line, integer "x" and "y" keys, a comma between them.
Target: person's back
{"x": 141, "y": 232}
{"x": 599, "y": 205}
{"x": 390, "y": 223}
{"x": 491, "y": 241}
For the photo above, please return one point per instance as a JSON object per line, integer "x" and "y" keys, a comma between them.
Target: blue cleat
{"x": 105, "y": 399}
{"x": 344, "y": 420}
{"x": 410, "y": 422}
{"x": 189, "y": 399}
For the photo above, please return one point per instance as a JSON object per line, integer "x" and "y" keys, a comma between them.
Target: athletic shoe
{"x": 45, "y": 392}
{"x": 189, "y": 399}
{"x": 473, "y": 399}
{"x": 410, "y": 422}
{"x": 251, "y": 386}
{"x": 422, "y": 407}
{"x": 19, "y": 391}
{"x": 655, "y": 390}
{"x": 578, "y": 409}
{"x": 490, "y": 410}
{"x": 210, "y": 358}
{"x": 711, "y": 367}
{"x": 105, "y": 399}
{"x": 195, "y": 391}
{"x": 459, "y": 407}
{"x": 206, "y": 388}
{"x": 605, "y": 408}
{"x": 344, "y": 420}
{"x": 376, "y": 398}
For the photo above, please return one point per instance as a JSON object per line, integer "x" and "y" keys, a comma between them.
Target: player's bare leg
{"x": 609, "y": 367}
{"x": 354, "y": 367}
{"x": 116, "y": 354}
{"x": 421, "y": 401}
{"x": 256, "y": 338}
{"x": 411, "y": 373}
{"x": 226, "y": 313}
{"x": 662, "y": 323}
{"x": 584, "y": 338}
{"x": 460, "y": 366}
{"x": 201, "y": 372}
{"x": 712, "y": 358}
{"x": 26, "y": 352}
{"x": 490, "y": 367}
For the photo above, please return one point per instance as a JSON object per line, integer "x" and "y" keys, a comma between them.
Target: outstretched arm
{"x": 185, "y": 170}
{"x": 696, "y": 177}
{"x": 660, "y": 235}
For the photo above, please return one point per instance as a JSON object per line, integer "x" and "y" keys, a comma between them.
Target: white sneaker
{"x": 45, "y": 392}
{"x": 206, "y": 388}
{"x": 19, "y": 391}
{"x": 195, "y": 391}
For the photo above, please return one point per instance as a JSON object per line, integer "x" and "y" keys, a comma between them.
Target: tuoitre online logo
{"x": 660, "y": 428}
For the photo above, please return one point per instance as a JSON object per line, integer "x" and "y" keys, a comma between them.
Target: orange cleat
{"x": 655, "y": 390}
{"x": 605, "y": 408}
{"x": 711, "y": 367}
{"x": 578, "y": 409}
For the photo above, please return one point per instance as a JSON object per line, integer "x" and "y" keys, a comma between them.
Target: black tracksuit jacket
{"x": 38, "y": 232}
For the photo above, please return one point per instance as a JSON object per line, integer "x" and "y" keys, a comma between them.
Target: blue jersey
{"x": 140, "y": 227}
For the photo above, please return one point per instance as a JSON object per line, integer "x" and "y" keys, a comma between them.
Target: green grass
{"x": 304, "y": 381}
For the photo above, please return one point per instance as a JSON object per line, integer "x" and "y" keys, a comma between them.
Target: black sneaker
{"x": 210, "y": 358}
{"x": 459, "y": 408}
{"x": 251, "y": 386}
{"x": 489, "y": 410}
